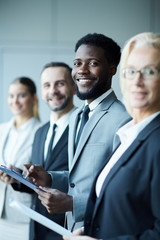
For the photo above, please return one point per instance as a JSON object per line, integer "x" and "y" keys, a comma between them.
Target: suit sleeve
{"x": 79, "y": 206}
{"x": 59, "y": 180}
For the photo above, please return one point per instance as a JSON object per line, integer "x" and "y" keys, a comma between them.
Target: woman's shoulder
{"x": 7, "y": 124}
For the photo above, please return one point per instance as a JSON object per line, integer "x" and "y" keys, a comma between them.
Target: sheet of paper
{"x": 40, "y": 218}
{"x": 18, "y": 177}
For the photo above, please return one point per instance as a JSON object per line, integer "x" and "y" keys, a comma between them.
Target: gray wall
{"x": 35, "y": 32}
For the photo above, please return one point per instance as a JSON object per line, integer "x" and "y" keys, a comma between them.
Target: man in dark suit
{"x": 57, "y": 89}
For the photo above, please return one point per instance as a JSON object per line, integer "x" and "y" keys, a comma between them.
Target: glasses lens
{"x": 149, "y": 73}
{"x": 146, "y": 73}
{"x": 129, "y": 73}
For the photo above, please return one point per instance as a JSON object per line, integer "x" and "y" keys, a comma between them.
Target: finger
{"x": 9, "y": 166}
{"x": 78, "y": 231}
{"x": 66, "y": 238}
{"x": 27, "y": 166}
{"x": 42, "y": 192}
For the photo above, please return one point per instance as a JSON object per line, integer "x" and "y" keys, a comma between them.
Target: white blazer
{"x": 21, "y": 156}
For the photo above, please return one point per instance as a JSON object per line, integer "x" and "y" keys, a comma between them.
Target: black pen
{"x": 72, "y": 228}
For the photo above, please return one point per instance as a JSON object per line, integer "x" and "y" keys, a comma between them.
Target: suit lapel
{"x": 126, "y": 156}
{"x": 41, "y": 144}
{"x": 72, "y": 134}
{"x": 88, "y": 128}
{"x": 59, "y": 146}
{"x": 4, "y": 139}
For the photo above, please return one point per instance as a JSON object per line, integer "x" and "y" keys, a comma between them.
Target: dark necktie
{"x": 83, "y": 122}
{"x": 51, "y": 142}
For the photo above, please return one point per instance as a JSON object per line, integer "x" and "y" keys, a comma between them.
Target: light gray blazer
{"x": 21, "y": 157}
{"x": 95, "y": 145}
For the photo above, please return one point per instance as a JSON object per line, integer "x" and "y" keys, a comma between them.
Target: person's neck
{"x": 21, "y": 120}
{"x": 57, "y": 115}
{"x": 139, "y": 115}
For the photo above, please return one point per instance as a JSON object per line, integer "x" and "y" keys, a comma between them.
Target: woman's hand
{"x": 4, "y": 177}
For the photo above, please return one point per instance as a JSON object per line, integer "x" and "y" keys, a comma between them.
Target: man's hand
{"x": 78, "y": 237}
{"x": 4, "y": 177}
{"x": 55, "y": 201}
{"x": 37, "y": 175}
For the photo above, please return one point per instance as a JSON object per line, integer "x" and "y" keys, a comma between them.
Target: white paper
{"x": 18, "y": 177}
{"x": 40, "y": 218}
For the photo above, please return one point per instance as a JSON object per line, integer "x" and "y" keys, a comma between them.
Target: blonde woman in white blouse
{"x": 16, "y": 138}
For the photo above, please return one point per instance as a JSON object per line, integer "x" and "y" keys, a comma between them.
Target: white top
{"x": 16, "y": 142}
{"x": 127, "y": 135}
{"x": 61, "y": 123}
{"x": 15, "y": 148}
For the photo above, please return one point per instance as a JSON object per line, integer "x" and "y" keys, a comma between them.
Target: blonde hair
{"x": 36, "y": 109}
{"x": 143, "y": 39}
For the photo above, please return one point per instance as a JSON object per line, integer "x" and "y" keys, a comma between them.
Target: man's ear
{"x": 112, "y": 69}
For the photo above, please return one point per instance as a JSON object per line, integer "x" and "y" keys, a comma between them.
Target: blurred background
{"x": 35, "y": 32}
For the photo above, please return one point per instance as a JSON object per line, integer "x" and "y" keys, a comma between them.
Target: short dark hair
{"x": 28, "y": 82}
{"x": 57, "y": 64}
{"x": 111, "y": 49}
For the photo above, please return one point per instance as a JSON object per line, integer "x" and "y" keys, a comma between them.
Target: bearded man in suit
{"x": 57, "y": 89}
{"x": 95, "y": 63}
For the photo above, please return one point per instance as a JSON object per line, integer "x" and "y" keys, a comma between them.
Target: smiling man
{"x": 50, "y": 146}
{"x": 96, "y": 61}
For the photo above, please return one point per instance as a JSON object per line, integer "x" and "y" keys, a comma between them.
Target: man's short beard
{"x": 97, "y": 90}
{"x": 62, "y": 107}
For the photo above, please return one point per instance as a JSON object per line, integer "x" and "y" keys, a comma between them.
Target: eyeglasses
{"x": 148, "y": 73}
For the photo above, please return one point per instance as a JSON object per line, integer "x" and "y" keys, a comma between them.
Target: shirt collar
{"x": 62, "y": 121}
{"x": 95, "y": 103}
{"x": 130, "y": 131}
{"x": 24, "y": 126}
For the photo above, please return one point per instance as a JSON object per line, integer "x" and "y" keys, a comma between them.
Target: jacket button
{"x": 87, "y": 222}
{"x": 97, "y": 228}
{"x": 72, "y": 185}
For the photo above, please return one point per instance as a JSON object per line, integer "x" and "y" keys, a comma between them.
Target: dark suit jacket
{"x": 128, "y": 207}
{"x": 58, "y": 161}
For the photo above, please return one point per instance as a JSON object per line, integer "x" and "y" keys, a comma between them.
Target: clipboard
{"x": 18, "y": 177}
{"x": 40, "y": 218}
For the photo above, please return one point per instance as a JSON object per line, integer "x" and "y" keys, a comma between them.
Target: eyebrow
{"x": 87, "y": 59}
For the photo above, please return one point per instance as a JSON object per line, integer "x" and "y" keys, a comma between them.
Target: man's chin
{"x": 86, "y": 95}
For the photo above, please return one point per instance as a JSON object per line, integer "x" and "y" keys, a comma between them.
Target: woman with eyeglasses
{"x": 16, "y": 138}
{"x": 124, "y": 202}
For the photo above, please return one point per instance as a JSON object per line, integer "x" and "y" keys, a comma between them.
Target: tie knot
{"x": 54, "y": 127}
{"x": 86, "y": 109}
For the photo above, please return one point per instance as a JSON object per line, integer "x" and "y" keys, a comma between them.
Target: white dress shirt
{"x": 61, "y": 123}
{"x": 127, "y": 135}
{"x": 97, "y": 101}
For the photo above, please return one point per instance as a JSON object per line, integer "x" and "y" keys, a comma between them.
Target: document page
{"x": 40, "y": 218}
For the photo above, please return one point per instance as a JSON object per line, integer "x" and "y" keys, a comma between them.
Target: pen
{"x": 26, "y": 176}
{"x": 72, "y": 228}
